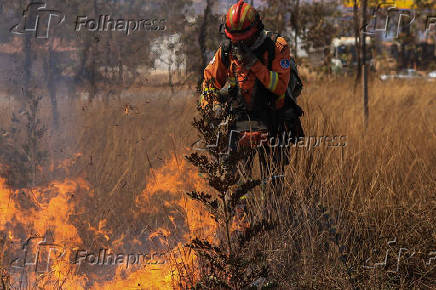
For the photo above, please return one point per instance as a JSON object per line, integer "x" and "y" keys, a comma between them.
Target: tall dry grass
{"x": 121, "y": 144}
{"x": 340, "y": 205}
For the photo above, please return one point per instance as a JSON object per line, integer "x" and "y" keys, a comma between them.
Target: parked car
{"x": 407, "y": 74}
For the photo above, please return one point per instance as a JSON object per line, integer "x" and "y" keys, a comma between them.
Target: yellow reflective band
{"x": 244, "y": 13}
{"x": 274, "y": 81}
{"x": 270, "y": 80}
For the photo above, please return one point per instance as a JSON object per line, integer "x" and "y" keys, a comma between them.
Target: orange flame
{"x": 50, "y": 209}
{"x": 174, "y": 178}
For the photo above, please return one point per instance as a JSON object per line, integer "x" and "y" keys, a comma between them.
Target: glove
{"x": 245, "y": 57}
{"x": 248, "y": 60}
{"x": 217, "y": 109}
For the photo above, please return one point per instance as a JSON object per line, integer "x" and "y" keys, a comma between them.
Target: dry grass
{"x": 120, "y": 145}
{"x": 343, "y": 204}
{"x": 340, "y": 205}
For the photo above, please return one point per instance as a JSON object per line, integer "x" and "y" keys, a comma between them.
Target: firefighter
{"x": 260, "y": 65}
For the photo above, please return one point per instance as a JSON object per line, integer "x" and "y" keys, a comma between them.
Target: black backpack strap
{"x": 226, "y": 47}
{"x": 268, "y": 45}
{"x": 272, "y": 47}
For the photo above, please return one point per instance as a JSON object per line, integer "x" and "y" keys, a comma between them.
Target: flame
{"x": 7, "y": 208}
{"x": 43, "y": 214}
{"x": 100, "y": 230}
{"x": 174, "y": 178}
{"x": 50, "y": 208}
{"x": 177, "y": 178}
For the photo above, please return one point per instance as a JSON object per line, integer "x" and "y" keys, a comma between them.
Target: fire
{"x": 100, "y": 230}
{"x": 149, "y": 277}
{"x": 7, "y": 207}
{"x": 174, "y": 178}
{"x": 48, "y": 210}
{"x": 177, "y": 178}
{"x": 43, "y": 216}
{"x": 44, "y": 212}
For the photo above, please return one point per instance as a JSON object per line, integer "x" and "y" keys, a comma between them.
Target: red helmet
{"x": 242, "y": 21}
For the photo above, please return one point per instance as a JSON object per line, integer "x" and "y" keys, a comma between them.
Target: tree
{"x": 318, "y": 23}
{"x": 202, "y": 39}
{"x": 274, "y": 15}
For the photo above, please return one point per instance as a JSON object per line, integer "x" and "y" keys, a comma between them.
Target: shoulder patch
{"x": 285, "y": 63}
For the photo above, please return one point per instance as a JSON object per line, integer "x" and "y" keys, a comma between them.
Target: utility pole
{"x": 365, "y": 65}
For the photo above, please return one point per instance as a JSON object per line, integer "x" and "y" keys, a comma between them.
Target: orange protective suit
{"x": 275, "y": 80}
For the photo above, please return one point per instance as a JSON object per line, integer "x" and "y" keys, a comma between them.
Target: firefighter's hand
{"x": 217, "y": 109}
{"x": 247, "y": 59}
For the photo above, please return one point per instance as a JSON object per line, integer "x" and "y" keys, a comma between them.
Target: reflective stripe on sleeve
{"x": 274, "y": 80}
